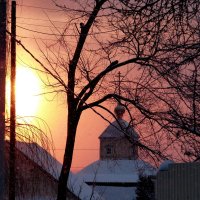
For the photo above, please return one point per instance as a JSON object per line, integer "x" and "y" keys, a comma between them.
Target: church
{"x": 116, "y": 173}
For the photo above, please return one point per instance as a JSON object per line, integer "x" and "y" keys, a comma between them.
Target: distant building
{"x": 116, "y": 174}
{"x": 178, "y": 181}
{"x": 114, "y": 142}
{"x": 114, "y": 145}
{"x": 37, "y": 175}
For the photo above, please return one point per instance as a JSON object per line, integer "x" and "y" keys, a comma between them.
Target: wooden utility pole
{"x": 12, "y": 175}
{"x": 3, "y": 25}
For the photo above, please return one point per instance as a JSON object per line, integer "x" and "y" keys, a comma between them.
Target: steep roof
{"x": 118, "y": 129}
{"x": 115, "y": 171}
{"x": 42, "y": 158}
{"x": 165, "y": 165}
{"x": 109, "y": 177}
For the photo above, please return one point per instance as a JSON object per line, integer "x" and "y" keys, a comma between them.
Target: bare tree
{"x": 33, "y": 150}
{"x": 156, "y": 45}
{"x": 166, "y": 91}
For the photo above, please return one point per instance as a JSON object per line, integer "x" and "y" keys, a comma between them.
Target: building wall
{"x": 180, "y": 182}
{"x": 121, "y": 148}
{"x": 32, "y": 181}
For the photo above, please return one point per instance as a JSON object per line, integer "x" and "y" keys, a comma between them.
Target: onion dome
{"x": 119, "y": 111}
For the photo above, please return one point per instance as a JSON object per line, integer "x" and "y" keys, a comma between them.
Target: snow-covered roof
{"x": 118, "y": 129}
{"x": 116, "y": 193}
{"x": 165, "y": 165}
{"x": 115, "y": 171}
{"x": 40, "y": 156}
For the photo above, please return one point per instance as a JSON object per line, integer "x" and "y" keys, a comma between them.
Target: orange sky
{"x": 54, "y": 112}
{"x": 32, "y": 24}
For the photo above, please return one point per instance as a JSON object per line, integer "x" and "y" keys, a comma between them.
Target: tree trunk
{"x": 73, "y": 113}
{"x": 73, "y": 118}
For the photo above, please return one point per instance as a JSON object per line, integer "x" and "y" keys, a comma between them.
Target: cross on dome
{"x": 119, "y": 109}
{"x": 119, "y": 82}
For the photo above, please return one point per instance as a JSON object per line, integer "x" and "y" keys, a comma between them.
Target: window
{"x": 109, "y": 150}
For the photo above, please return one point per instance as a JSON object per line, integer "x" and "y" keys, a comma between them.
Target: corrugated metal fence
{"x": 180, "y": 182}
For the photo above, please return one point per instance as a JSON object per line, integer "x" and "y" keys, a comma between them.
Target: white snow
{"x": 112, "y": 172}
{"x": 53, "y": 167}
{"x": 115, "y": 171}
{"x": 116, "y": 193}
{"x": 165, "y": 165}
{"x": 118, "y": 129}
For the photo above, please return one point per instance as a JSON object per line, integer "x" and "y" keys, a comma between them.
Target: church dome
{"x": 119, "y": 111}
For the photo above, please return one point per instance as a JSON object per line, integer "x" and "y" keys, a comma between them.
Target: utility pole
{"x": 3, "y": 25}
{"x": 12, "y": 175}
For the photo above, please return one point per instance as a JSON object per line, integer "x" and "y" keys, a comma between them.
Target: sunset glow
{"x": 27, "y": 92}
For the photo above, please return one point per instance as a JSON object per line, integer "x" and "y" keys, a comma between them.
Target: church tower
{"x": 116, "y": 174}
{"x": 115, "y": 141}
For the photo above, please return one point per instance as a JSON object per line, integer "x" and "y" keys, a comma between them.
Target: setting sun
{"x": 27, "y": 92}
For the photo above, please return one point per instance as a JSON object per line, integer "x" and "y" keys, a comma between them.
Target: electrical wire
{"x": 39, "y": 25}
{"x": 70, "y": 35}
{"x": 61, "y": 149}
{"x": 39, "y": 19}
{"x": 45, "y": 33}
{"x": 35, "y": 38}
{"x": 38, "y": 7}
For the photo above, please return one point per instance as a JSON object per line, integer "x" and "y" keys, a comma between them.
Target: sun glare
{"x": 27, "y": 92}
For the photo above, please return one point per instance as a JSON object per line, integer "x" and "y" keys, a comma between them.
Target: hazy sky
{"x": 32, "y": 17}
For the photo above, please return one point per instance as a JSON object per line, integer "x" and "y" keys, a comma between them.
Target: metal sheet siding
{"x": 180, "y": 182}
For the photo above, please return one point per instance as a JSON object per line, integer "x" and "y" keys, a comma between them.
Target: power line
{"x": 77, "y": 149}
{"x": 39, "y": 7}
{"x": 45, "y": 33}
{"x": 38, "y": 19}
{"x": 26, "y": 37}
{"x": 88, "y": 105}
{"x": 77, "y": 167}
{"x": 30, "y": 24}
{"x": 54, "y": 34}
